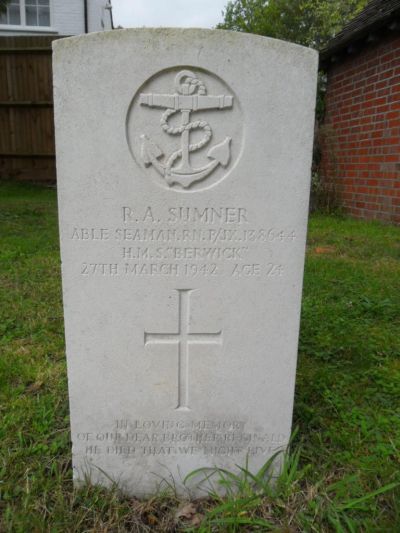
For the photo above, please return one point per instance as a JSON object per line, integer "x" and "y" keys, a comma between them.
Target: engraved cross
{"x": 183, "y": 340}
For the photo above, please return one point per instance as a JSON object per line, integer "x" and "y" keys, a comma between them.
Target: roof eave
{"x": 336, "y": 48}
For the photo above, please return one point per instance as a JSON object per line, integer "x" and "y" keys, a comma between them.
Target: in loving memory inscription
{"x": 183, "y": 207}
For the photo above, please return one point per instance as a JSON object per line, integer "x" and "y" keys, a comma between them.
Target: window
{"x": 37, "y": 12}
{"x": 27, "y": 13}
{"x": 12, "y": 13}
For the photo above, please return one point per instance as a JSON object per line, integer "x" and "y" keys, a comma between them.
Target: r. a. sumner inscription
{"x": 160, "y": 243}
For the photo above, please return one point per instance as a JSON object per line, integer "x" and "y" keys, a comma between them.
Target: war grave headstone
{"x": 183, "y": 163}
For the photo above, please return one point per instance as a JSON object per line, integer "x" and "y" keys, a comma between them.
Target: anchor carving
{"x": 190, "y": 96}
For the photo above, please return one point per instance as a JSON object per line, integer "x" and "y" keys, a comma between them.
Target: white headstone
{"x": 183, "y": 160}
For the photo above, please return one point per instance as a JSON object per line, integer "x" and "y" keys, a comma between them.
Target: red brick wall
{"x": 361, "y": 133}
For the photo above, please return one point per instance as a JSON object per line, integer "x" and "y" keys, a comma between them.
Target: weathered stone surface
{"x": 183, "y": 161}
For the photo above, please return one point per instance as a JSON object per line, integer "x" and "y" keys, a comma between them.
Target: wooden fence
{"x": 26, "y": 109}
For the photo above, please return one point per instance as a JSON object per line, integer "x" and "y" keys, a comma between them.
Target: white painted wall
{"x": 67, "y": 18}
{"x": 99, "y": 17}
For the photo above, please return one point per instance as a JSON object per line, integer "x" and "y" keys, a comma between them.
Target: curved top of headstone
{"x": 162, "y": 34}
{"x": 183, "y": 84}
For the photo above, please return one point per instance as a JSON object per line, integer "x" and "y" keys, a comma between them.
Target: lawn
{"x": 343, "y": 473}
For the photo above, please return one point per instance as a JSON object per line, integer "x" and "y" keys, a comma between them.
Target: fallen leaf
{"x": 324, "y": 249}
{"x": 196, "y": 520}
{"x": 34, "y": 387}
{"x": 187, "y": 511}
{"x": 152, "y": 519}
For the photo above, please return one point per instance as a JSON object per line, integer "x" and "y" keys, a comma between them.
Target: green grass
{"x": 343, "y": 471}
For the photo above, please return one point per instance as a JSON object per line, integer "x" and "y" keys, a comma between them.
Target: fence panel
{"x": 26, "y": 109}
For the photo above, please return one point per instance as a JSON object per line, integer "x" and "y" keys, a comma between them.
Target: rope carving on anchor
{"x": 189, "y": 86}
